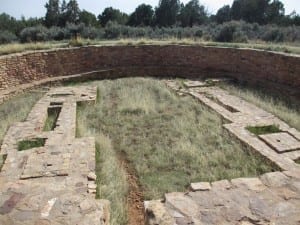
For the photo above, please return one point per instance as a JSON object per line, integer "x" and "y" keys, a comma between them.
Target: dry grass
{"x": 293, "y": 48}
{"x": 111, "y": 178}
{"x": 15, "y": 110}
{"x": 170, "y": 141}
{"x": 269, "y": 103}
{"x": 18, "y": 47}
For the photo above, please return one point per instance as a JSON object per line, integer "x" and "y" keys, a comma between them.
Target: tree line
{"x": 64, "y": 18}
{"x": 172, "y": 13}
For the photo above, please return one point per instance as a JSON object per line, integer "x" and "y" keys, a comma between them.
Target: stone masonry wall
{"x": 278, "y": 72}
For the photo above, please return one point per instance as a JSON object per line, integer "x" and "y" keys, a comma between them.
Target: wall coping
{"x": 148, "y": 45}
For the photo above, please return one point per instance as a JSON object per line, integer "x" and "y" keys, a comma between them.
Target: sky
{"x": 35, "y": 8}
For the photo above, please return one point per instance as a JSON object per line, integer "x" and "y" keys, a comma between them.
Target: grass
{"x": 32, "y": 143}
{"x": 16, "y": 110}
{"x": 293, "y": 48}
{"x": 52, "y": 117}
{"x": 259, "y": 130}
{"x": 286, "y": 112}
{"x": 169, "y": 141}
{"x": 111, "y": 178}
{"x": 18, "y": 47}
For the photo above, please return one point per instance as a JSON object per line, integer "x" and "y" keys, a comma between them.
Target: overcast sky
{"x": 35, "y": 8}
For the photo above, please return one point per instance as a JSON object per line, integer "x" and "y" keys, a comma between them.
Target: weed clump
{"x": 32, "y": 143}
{"x": 260, "y": 130}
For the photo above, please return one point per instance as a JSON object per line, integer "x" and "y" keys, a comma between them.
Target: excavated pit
{"x": 273, "y": 197}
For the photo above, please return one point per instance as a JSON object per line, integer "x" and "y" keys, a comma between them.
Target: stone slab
{"x": 281, "y": 142}
{"x": 194, "y": 83}
{"x": 200, "y": 186}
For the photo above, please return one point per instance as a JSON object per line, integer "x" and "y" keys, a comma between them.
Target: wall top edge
{"x": 19, "y": 54}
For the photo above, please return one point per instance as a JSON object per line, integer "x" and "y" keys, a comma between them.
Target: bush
{"x": 7, "y": 37}
{"x": 112, "y": 30}
{"x": 234, "y": 31}
{"x": 90, "y": 32}
{"x": 273, "y": 35}
{"x": 240, "y": 37}
{"x": 34, "y": 34}
{"x": 199, "y": 33}
{"x": 57, "y": 33}
{"x": 226, "y": 33}
{"x": 71, "y": 30}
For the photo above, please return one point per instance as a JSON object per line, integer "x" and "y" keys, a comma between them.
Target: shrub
{"x": 56, "y": 33}
{"x": 89, "y": 32}
{"x": 33, "y": 34}
{"x": 7, "y": 37}
{"x": 240, "y": 37}
{"x": 73, "y": 30}
{"x": 199, "y": 33}
{"x": 273, "y": 35}
{"x": 112, "y": 30}
{"x": 226, "y": 33}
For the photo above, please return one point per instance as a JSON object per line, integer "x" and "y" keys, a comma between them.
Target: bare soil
{"x": 135, "y": 198}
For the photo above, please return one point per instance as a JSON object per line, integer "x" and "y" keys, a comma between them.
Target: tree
{"x": 8, "y": 22}
{"x": 52, "y": 13}
{"x": 63, "y": 7}
{"x": 257, "y": 11}
{"x": 142, "y": 16}
{"x": 275, "y": 12}
{"x": 72, "y": 12}
{"x": 167, "y": 12}
{"x": 114, "y": 15}
{"x": 236, "y": 10}
{"x": 223, "y": 14}
{"x": 192, "y": 14}
{"x": 88, "y": 18}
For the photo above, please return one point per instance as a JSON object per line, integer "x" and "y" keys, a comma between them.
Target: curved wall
{"x": 278, "y": 72}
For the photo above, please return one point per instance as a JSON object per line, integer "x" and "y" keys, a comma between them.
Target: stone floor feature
{"x": 281, "y": 142}
{"x": 271, "y": 199}
{"x": 281, "y": 148}
{"x": 55, "y": 183}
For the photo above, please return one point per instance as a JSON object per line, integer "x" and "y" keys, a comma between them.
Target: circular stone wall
{"x": 279, "y": 72}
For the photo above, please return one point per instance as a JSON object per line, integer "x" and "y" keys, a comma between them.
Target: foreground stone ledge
{"x": 272, "y": 199}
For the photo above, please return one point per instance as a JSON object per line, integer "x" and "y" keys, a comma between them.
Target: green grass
{"x": 170, "y": 141}
{"x": 259, "y": 130}
{"x": 32, "y": 143}
{"x": 293, "y": 48}
{"x": 16, "y": 110}
{"x": 286, "y": 112}
{"x": 297, "y": 161}
{"x": 111, "y": 178}
{"x": 52, "y": 117}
